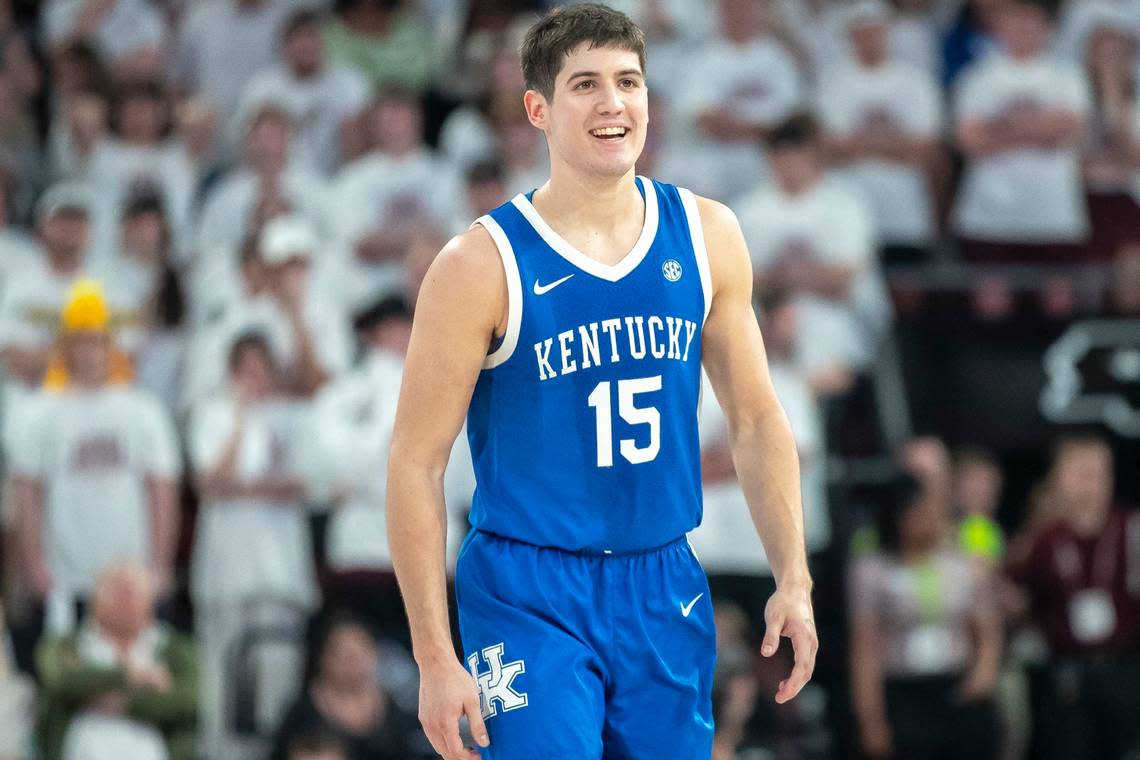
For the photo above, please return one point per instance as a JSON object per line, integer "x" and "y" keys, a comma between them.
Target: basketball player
{"x": 570, "y": 326}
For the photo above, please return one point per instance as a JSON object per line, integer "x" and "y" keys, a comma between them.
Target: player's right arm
{"x": 461, "y": 307}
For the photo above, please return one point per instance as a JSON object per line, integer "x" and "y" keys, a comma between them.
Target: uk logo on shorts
{"x": 495, "y": 685}
{"x": 672, "y": 270}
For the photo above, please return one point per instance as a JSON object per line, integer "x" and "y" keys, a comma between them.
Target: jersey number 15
{"x": 600, "y": 400}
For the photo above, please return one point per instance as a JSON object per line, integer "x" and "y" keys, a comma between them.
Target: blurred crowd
{"x": 214, "y": 219}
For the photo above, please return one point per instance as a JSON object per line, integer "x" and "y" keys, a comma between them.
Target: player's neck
{"x": 593, "y": 203}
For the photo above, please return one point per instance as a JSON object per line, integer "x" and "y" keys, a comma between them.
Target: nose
{"x": 611, "y": 100}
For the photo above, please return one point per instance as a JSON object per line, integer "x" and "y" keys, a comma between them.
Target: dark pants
{"x": 1089, "y": 709}
{"x": 929, "y": 723}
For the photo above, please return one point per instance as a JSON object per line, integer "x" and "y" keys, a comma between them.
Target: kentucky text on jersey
{"x": 634, "y": 337}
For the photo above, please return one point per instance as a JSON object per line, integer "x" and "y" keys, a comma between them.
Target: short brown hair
{"x": 551, "y": 39}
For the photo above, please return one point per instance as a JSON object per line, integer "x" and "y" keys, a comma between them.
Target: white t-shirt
{"x": 130, "y": 26}
{"x": 244, "y": 547}
{"x": 353, "y": 419}
{"x": 319, "y": 106}
{"x": 898, "y": 98}
{"x": 829, "y": 223}
{"x": 229, "y": 206}
{"x": 726, "y": 540}
{"x": 379, "y": 189}
{"x": 1026, "y": 195}
{"x": 93, "y": 451}
{"x": 760, "y": 82}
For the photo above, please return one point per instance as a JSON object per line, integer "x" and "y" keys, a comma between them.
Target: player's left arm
{"x": 763, "y": 448}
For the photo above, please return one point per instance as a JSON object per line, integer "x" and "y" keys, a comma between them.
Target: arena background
{"x": 940, "y": 197}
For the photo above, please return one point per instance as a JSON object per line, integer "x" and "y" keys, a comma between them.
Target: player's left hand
{"x": 789, "y": 613}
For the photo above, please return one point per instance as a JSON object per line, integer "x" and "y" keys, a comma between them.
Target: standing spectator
{"x": 925, "y": 639}
{"x": 123, "y": 685}
{"x": 808, "y": 234}
{"x": 94, "y": 477}
{"x": 223, "y": 43}
{"x": 884, "y": 119}
{"x": 143, "y": 151}
{"x": 380, "y": 200}
{"x": 353, "y": 418}
{"x": 142, "y": 279}
{"x": 385, "y": 41}
{"x": 1081, "y": 575}
{"x": 1112, "y": 144}
{"x": 346, "y": 695}
{"x": 743, "y": 82}
{"x": 128, "y": 34}
{"x": 1020, "y": 117}
{"x": 323, "y": 100}
{"x": 252, "y": 563}
{"x": 268, "y": 182}
{"x": 726, "y": 542}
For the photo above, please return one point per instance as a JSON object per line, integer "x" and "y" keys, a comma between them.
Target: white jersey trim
{"x": 514, "y": 293}
{"x": 696, "y": 232}
{"x": 610, "y": 272}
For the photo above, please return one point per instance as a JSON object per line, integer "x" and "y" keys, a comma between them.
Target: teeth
{"x": 608, "y": 131}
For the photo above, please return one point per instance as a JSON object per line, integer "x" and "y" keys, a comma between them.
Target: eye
{"x": 629, "y": 83}
{"x": 584, "y": 84}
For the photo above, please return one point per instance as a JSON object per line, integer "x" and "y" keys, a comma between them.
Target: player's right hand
{"x": 447, "y": 693}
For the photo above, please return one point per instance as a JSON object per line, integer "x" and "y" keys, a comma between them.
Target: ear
{"x": 536, "y": 108}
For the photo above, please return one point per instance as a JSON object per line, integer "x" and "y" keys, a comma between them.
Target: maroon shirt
{"x": 1085, "y": 590}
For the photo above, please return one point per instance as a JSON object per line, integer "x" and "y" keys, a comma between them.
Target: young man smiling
{"x": 570, "y": 326}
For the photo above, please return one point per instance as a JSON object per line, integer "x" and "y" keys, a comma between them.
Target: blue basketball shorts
{"x": 586, "y": 656}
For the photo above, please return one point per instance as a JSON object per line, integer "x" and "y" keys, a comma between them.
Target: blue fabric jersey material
{"x": 583, "y": 423}
{"x": 582, "y": 656}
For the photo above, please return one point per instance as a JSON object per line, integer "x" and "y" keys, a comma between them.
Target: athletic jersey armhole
{"x": 696, "y": 232}
{"x": 514, "y": 293}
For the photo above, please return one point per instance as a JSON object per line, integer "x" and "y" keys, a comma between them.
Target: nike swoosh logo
{"x": 540, "y": 289}
{"x": 687, "y": 608}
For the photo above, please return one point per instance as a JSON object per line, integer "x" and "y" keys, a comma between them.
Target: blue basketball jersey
{"x": 583, "y": 422}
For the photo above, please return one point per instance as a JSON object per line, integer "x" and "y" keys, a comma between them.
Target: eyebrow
{"x": 623, "y": 73}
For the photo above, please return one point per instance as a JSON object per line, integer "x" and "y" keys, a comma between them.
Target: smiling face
{"x": 596, "y": 119}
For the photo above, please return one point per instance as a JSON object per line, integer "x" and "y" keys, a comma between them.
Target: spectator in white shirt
{"x": 380, "y": 200}
{"x": 742, "y": 83}
{"x": 813, "y": 236}
{"x": 324, "y": 100}
{"x": 269, "y": 180}
{"x": 144, "y": 148}
{"x": 1112, "y": 141}
{"x": 1020, "y": 118}
{"x": 252, "y": 564}
{"x": 94, "y": 478}
{"x": 884, "y": 120}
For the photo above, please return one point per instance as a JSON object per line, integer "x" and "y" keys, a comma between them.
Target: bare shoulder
{"x": 467, "y": 279}
{"x": 729, "y": 261}
{"x": 717, "y": 219}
